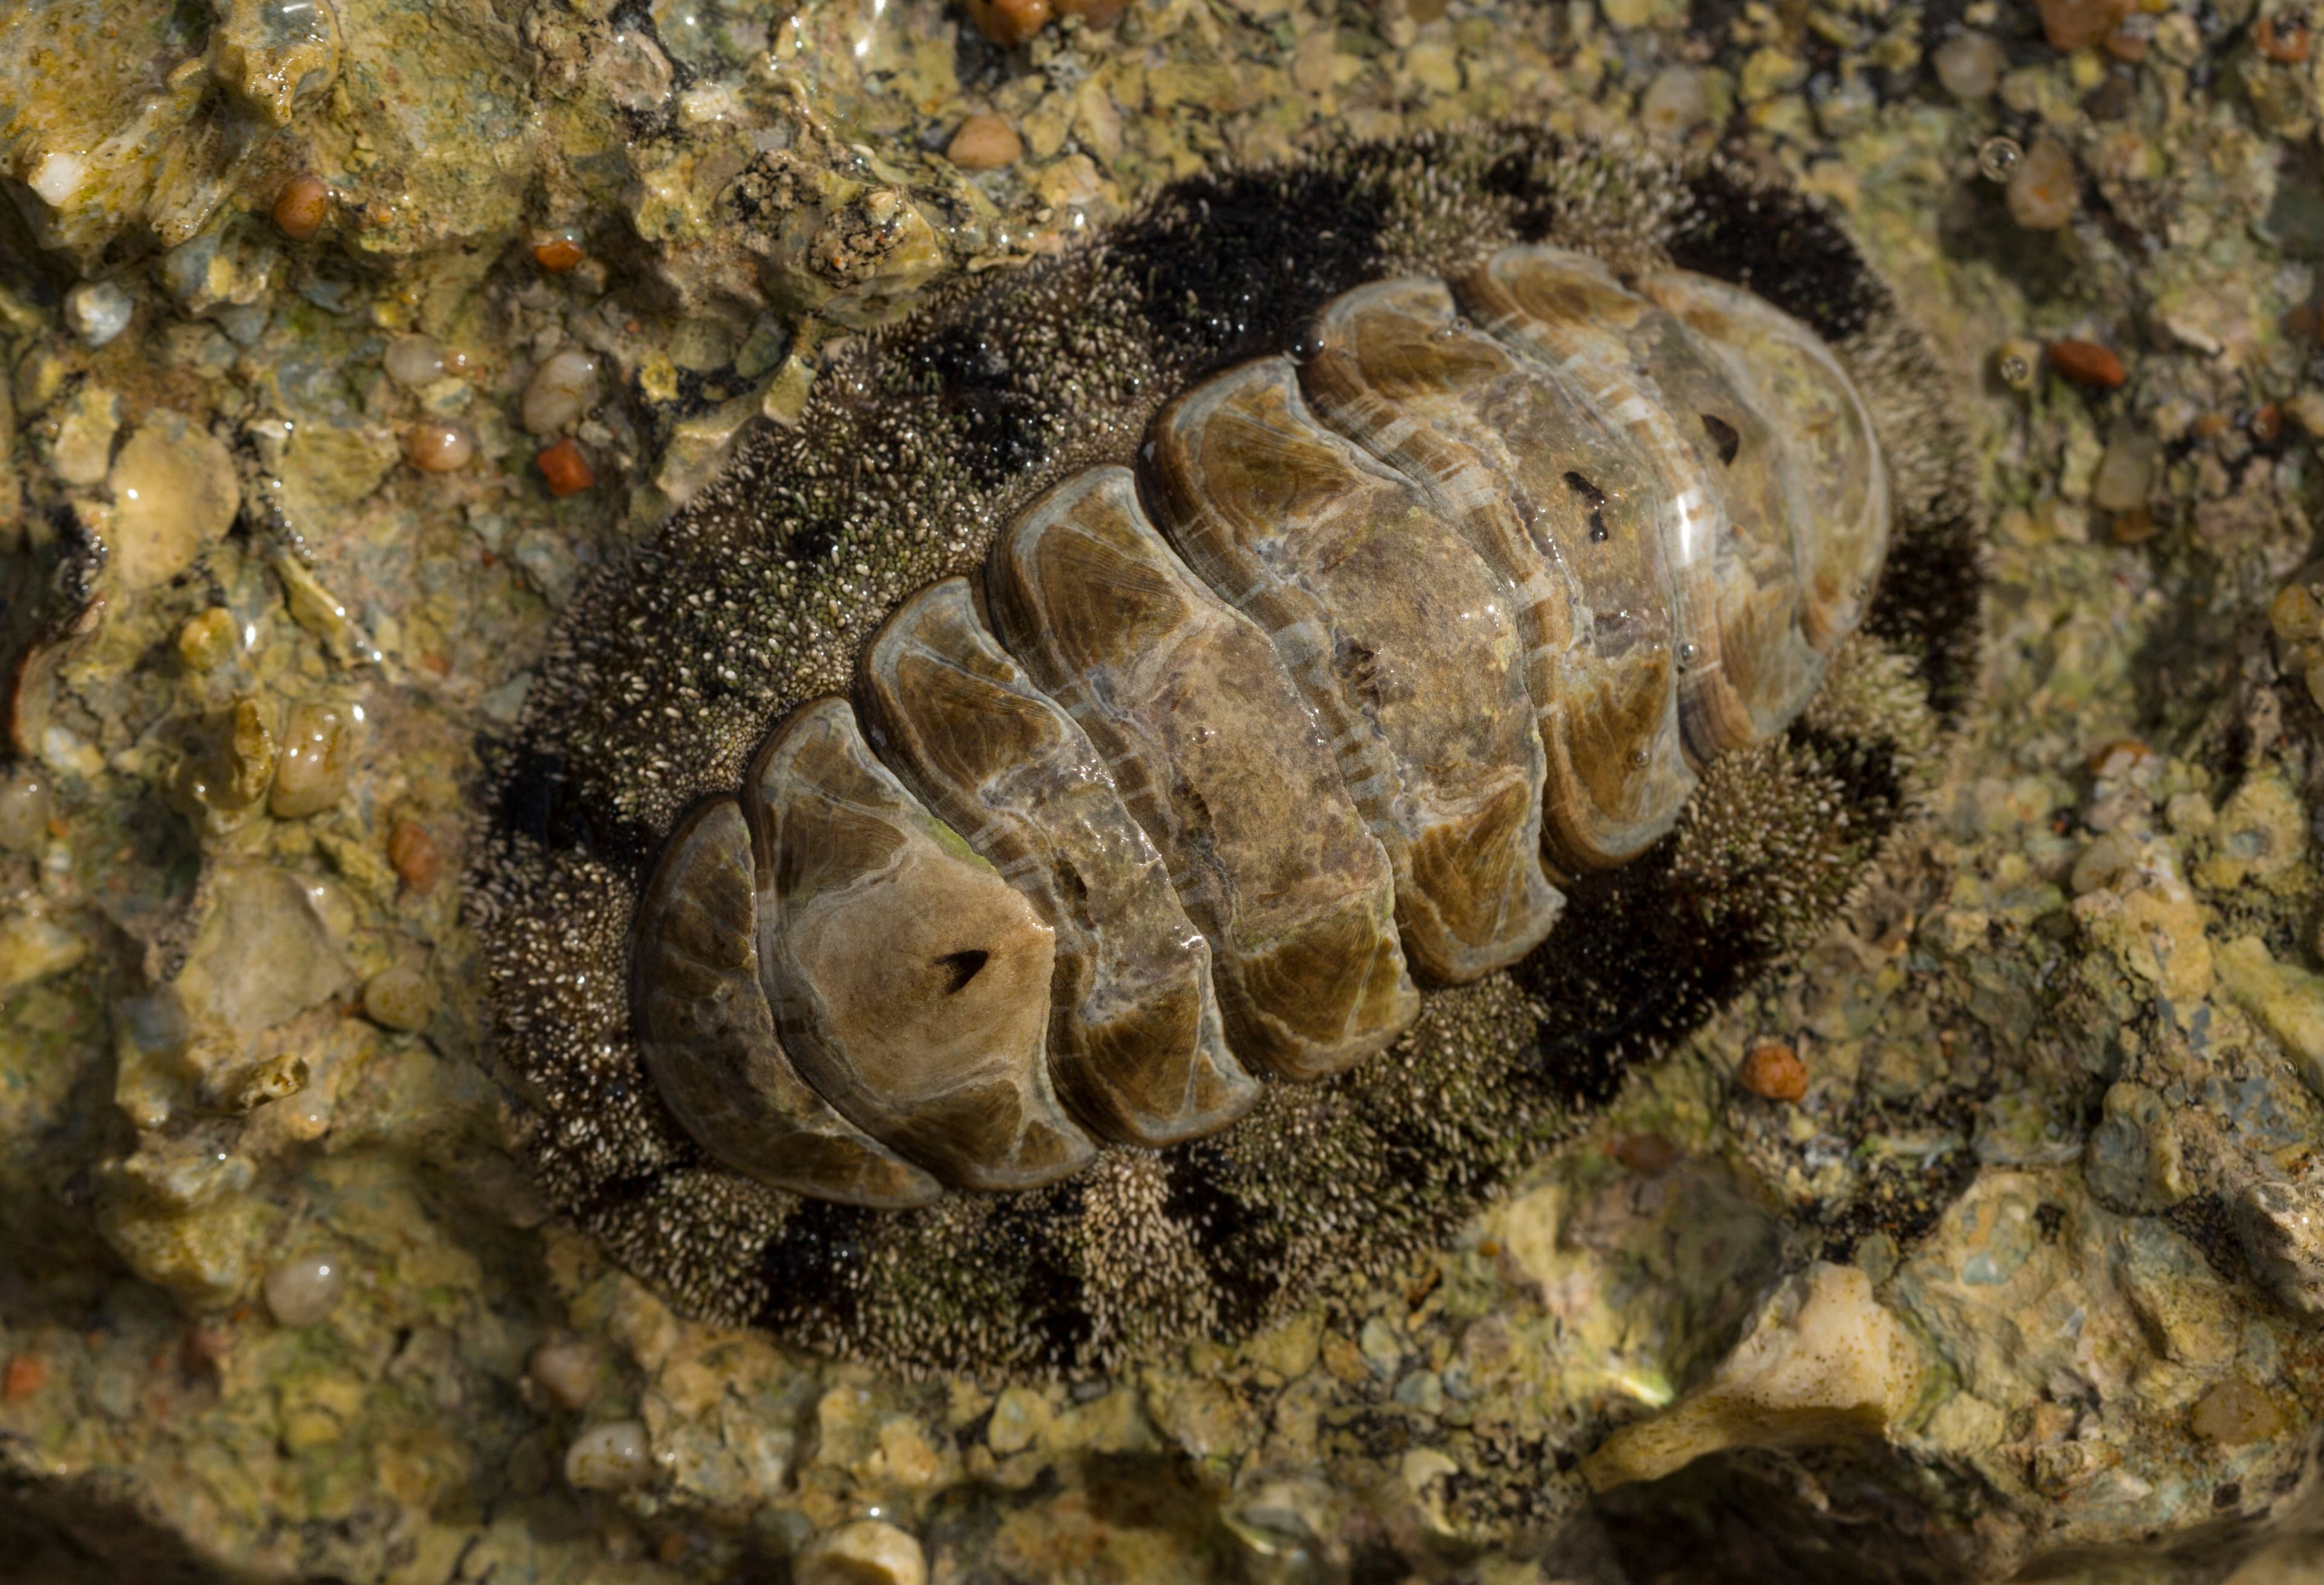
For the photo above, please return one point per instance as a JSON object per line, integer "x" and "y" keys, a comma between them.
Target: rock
{"x": 311, "y": 774}
{"x": 413, "y": 361}
{"x": 175, "y": 494}
{"x": 2044, "y": 187}
{"x": 32, "y": 948}
{"x": 1969, "y": 65}
{"x": 2076, "y": 24}
{"x": 98, "y": 310}
{"x": 1825, "y": 1361}
{"x": 869, "y": 1552}
{"x": 2261, "y": 832}
{"x": 401, "y": 997}
{"x": 2288, "y": 1001}
{"x": 206, "y": 639}
{"x": 25, "y": 806}
{"x": 2235, "y": 1411}
{"x": 563, "y": 389}
{"x": 986, "y": 143}
{"x": 85, "y": 427}
{"x": 613, "y": 1456}
{"x": 2134, "y": 1159}
{"x": 2280, "y": 1223}
{"x": 1772, "y": 1071}
{"x": 1676, "y": 102}
{"x": 302, "y": 206}
{"x": 304, "y": 1289}
{"x": 413, "y": 853}
{"x": 270, "y": 54}
{"x": 2087, "y": 363}
{"x": 263, "y": 954}
{"x": 569, "y": 1369}
{"x": 2127, "y": 471}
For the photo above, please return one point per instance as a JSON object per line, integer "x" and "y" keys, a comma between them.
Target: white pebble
{"x": 567, "y": 1370}
{"x": 610, "y": 1457}
{"x": 302, "y": 1292}
{"x": 1970, "y": 66}
{"x": 869, "y": 1552}
{"x": 98, "y": 310}
{"x": 413, "y": 361}
{"x": 559, "y": 392}
{"x": 1675, "y": 103}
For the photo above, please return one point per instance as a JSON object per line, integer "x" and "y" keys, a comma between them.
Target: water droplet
{"x": 1998, "y": 156}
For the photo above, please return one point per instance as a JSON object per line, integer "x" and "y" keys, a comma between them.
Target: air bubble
{"x": 1998, "y": 156}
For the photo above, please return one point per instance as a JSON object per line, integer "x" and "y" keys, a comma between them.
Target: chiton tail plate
{"x": 1178, "y": 773}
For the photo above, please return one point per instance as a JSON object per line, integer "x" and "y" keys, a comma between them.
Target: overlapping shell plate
{"x": 1184, "y": 768}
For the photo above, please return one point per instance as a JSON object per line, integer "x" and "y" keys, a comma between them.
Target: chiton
{"x": 1190, "y": 764}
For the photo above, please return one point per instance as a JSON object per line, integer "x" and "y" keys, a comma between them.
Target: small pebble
{"x": 2087, "y": 363}
{"x": 565, "y": 469}
{"x": 2235, "y": 1411}
{"x": 612, "y": 1457}
{"x": 401, "y": 997}
{"x": 869, "y": 1552}
{"x": 560, "y": 390}
{"x": 2267, "y": 423}
{"x": 2134, "y": 526}
{"x": 205, "y": 640}
{"x": 2044, "y": 188}
{"x": 1970, "y": 66}
{"x": 413, "y": 361}
{"x": 2296, "y": 613}
{"x": 303, "y": 206}
{"x": 570, "y": 1371}
{"x": 2127, "y": 471}
{"x": 2282, "y": 39}
{"x": 24, "y": 806}
{"x": 1773, "y": 1071}
{"x": 98, "y": 310}
{"x": 2076, "y": 24}
{"x": 1675, "y": 103}
{"x": 311, "y": 773}
{"x": 24, "y": 1376}
{"x": 1009, "y": 23}
{"x": 1648, "y": 1154}
{"x": 300, "y": 1292}
{"x": 413, "y": 854}
{"x": 2280, "y": 1227}
{"x": 558, "y": 253}
{"x": 986, "y": 143}
{"x": 439, "y": 445}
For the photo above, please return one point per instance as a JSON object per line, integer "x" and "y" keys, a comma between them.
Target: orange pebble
{"x": 2284, "y": 38}
{"x": 2126, "y": 47}
{"x": 1009, "y": 23}
{"x": 558, "y": 253}
{"x": 413, "y": 854}
{"x": 2134, "y": 526}
{"x": 2267, "y": 424}
{"x": 1646, "y": 1155}
{"x": 1774, "y": 1070}
{"x": 986, "y": 143}
{"x": 302, "y": 206}
{"x": 1097, "y": 14}
{"x": 24, "y": 1377}
{"x": 2076, "y": 24}
{"x": 565, "y": 467}
{"x": 439, "y": 445}
{"x": 2086, "y": 363}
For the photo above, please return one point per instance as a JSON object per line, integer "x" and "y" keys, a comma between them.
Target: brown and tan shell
{"x": 1371, "y": 649}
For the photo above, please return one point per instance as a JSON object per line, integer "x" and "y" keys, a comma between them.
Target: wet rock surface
{"x": 2017, "y": 1266}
